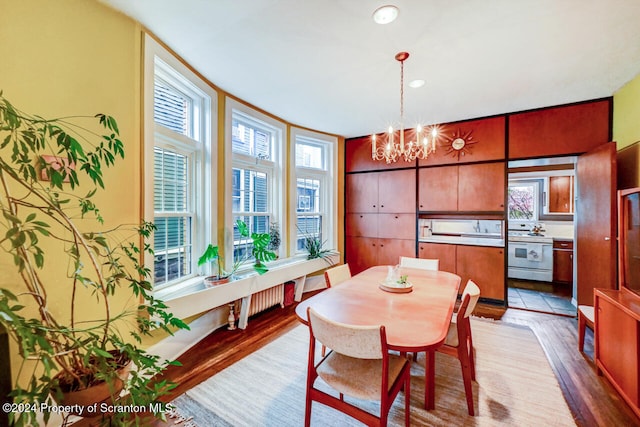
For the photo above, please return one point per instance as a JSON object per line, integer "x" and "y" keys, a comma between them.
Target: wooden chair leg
{"x": 582, "y": 324}
{"x": 407, "y": 400}
{"x": 463, "y": 355}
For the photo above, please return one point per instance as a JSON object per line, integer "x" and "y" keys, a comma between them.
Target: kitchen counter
{"x": 464, "y": 240}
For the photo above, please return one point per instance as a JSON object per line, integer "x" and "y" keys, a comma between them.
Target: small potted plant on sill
{"x": 260, "y": 253}
{"x": 314, "y": 247}
{"x": 50, "y": 169}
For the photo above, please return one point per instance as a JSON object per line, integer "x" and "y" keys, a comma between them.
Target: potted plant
{"x": 314, "y": 247}
{"x": 53, "y": 231}
{"x": 274, "y": 233}
{"x": 260, "y": 253}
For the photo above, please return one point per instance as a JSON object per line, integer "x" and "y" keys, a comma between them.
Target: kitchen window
{"x": 314, "y": 188}
{"x": 178, "y": 128}
{"x": 523, "y": 200}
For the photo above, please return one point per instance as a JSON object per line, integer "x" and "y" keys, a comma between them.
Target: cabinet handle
{"x": 420, "y": 205}
{"x": 374, "y": 206}
{"x": 360, "y": 216}
{"x": 382, "y": 246}
{"x": 382, "y": 206}
{"x": 607, "y": 238}
{"x": 396, "y": 216}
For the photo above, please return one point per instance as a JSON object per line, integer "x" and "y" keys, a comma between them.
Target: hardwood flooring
{"x": 591, "y": 398}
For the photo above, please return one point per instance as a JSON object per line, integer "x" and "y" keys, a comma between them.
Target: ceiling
{"x": 325, "y": 65}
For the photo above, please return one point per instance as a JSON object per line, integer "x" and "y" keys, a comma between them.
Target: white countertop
{"x": 459, "y": 240}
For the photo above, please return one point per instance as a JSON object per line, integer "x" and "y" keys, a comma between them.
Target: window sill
{"x": 194, "y": 297}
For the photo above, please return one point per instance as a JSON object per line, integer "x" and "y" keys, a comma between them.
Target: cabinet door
{"x": 617, "y": 345}
{"x": 361, "y": 192}
{"x": 562, "y": 264}
{"x": 361, "y": 224}
{"x": 560, "y": 194}
{"x": 397, "y": 191}
{"x": 397, "y": 226}
{"x": 390, "y": 250}
{"x": 485, "y": 266}
{"x": 438, "y": 189}
{"x": 444, "y": 252}
{"x": 481, "y": 187}
{"x": 358, "y": 155}
{"x": 361, "y": 253}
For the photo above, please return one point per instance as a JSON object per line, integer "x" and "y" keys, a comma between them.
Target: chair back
{"x": 336, "y": 275}
{"x": 362, "y": 342}
{"x": 470, "y": 297}
{"x": 422, "y": 263}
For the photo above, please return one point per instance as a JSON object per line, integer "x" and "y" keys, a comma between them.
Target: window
{"x": 256, "y": 173}
{"x": 314, "y": 188}
{"x": 178, "y": 110}
{"x": 523, "y": 200}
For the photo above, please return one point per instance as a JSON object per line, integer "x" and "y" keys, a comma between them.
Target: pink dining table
{"x": 415, "y": 321}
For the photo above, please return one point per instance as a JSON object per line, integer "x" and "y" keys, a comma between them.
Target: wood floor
{"x": 591, "y": 398}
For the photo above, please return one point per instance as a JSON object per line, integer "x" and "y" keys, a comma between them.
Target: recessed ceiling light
{"x": 416, "y": 83}
{"x": 385, "y": 14}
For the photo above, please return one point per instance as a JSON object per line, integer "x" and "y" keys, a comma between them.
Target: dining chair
{"x": 585, "y": 318}
{"x": 422, "y": 263}
{"x": 359, "y": 365}
{"x": 459, "y": 342}
{"x": 336, "y": 275}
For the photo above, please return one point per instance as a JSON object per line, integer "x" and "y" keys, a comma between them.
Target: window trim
{"x": 276, "y": 199}
{"x": 328, "y": 176}
{"x": 206, "y": 204}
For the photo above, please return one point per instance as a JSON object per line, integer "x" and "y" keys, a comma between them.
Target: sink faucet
{"x": 476, "y": 228}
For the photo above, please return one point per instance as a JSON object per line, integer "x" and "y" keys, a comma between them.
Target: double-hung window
{"x": 177, "y": 149}
{"x": 256, "y": 173}
{"x": 314, "y": 201}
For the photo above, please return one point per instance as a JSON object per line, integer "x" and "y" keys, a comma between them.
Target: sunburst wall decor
{"x": 459, "y": 143}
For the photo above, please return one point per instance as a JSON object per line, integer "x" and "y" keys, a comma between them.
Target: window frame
{"x": 328, "y": 182}
{"x": 273, "y": 167}
{"x": 158, "y": 60}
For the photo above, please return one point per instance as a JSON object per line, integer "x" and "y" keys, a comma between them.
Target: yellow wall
{"x": 76, "y": 57}
{"x": 626, "y": 114}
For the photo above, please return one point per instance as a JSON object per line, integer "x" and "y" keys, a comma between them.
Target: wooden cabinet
{"x": 563, "y": 261}
{"x": 365, "y": 252}
{"x": 617, "y": 343}
{"x": 485, "y": 266}
{"x": 482, "y": 264}
{"x": 485, "y": 140}
{"x": 444, "y": 252}
{"x": 561, "y": 194}
{"x": 563, "y": 130}
{"x": 464, "y": 188}
{"x": 388, "y": 192}
{"x": 358, "y": 157}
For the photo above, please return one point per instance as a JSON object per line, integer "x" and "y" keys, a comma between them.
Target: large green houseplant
{"x": 54, "y": 233}
{"x": 260, "y": 253}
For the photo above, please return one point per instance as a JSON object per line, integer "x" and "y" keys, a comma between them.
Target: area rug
{"x": 515, "y": 387}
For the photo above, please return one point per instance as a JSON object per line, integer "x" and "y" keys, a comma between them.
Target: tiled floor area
{"x": 537, "y": 296}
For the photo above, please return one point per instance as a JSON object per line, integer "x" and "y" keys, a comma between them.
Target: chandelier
{"x": 391, "y": 146}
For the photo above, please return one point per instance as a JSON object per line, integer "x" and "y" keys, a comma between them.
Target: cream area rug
{"x": 514, "y": 386}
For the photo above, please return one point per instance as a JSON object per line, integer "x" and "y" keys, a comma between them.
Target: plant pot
{"x": 98, "y": 393}
{"x": 210, "y": 281}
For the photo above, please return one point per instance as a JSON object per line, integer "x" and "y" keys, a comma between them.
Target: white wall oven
{"x": 530, "y": 258}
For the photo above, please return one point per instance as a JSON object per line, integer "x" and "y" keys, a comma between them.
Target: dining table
{"x": 416, "y": 318}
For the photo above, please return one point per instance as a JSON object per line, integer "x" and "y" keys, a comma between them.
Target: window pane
{"x": 170, "y": 181}
{"x": 172, "y": 248}
{"x": 250, "y": 191}
{"x": 308, "y": 195}
{"x": 242, "y": 246}
{"x": 171, "y": 108}
{"x": 310, "y": 155}
{"x": 522, "y": 202}
{"x": 308, "y": 226}
{"x": 250, "y": 140}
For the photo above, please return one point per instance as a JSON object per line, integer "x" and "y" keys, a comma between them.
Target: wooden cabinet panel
{"x": 438, "y": 189}
{"x": 361, "y": 253}
{"x": 358, "y": 155}
{"x": 361, "y": 224}
{"x": 390, "y": 250}
{"x": 617, "y": 346}
{"x": 570, "y": 129}
{"x": 444, "y": 252}
{"x": 563, "y": 261}
{"x": 487, "y": 137}
{"x": 481, "y": 187}
{"x": 361, "y": 192}
{"x": 397, "y": 226}
{"x": 397, "y": 191}
{"x": 485, "y": 266}
{"x": 560, "y": 194}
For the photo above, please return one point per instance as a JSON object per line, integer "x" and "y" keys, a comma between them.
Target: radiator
{"x": 266, "y": 299}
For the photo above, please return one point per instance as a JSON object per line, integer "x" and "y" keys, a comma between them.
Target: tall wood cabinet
{"x": 380, "y": 221}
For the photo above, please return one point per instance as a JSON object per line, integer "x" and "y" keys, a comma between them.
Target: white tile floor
{"x": 549, "y": 302}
